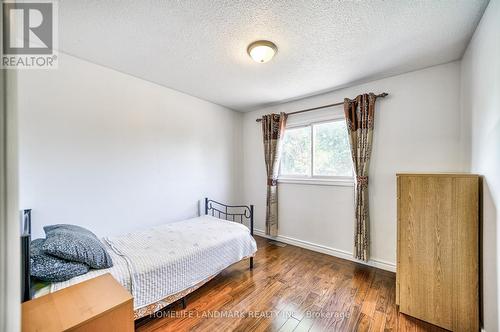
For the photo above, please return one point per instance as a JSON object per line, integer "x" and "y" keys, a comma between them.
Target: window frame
{"x": 315, "y": 179}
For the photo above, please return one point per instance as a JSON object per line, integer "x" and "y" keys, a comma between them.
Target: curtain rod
{"x": 382, "y": 95}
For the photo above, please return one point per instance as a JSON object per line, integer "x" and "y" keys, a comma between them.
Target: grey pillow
{"x": 49, "y": 268}
{"x": 77, "y": 244}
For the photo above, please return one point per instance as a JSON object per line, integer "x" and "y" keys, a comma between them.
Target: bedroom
{"x": 141, "y": 110}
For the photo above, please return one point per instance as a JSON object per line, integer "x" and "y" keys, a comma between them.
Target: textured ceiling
{"x": 199, "y": 46}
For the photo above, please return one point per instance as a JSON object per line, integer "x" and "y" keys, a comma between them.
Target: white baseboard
{"x": 328, "y": 250}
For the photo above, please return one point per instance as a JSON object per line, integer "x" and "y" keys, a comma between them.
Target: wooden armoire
{"x": 437, "y": 277}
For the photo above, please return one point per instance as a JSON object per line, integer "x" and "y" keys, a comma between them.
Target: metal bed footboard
{"x": 235, "y": 213}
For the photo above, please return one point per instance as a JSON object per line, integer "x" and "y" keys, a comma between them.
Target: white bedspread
{"x": 167, "y": 259}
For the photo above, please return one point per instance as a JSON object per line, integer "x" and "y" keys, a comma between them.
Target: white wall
{"x": 114, "y": 153}
{"x": 417, "y": 128}
{"x": 10, "y": 267}
{"x": 481, "y": 106}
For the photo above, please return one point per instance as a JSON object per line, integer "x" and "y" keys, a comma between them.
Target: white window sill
{"x": 319, "y": 182}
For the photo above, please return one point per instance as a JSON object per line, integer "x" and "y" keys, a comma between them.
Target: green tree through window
{"x": 317, "y": 150}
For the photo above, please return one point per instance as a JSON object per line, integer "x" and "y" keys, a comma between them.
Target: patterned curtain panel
{"x": 273, "y": 129}
{"x": 359, "y": 114}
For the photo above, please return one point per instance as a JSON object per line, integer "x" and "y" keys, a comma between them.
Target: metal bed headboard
{"x": 236, "y": 213}
{"x": 25, "y": 255}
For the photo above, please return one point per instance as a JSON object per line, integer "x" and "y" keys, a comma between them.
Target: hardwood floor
{"x": 291, "y": 289}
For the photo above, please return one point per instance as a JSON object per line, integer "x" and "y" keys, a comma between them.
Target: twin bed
{"x": 163, "y": 264}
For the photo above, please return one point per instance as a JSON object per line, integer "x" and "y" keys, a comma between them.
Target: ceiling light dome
{"x": 262, "y": 51}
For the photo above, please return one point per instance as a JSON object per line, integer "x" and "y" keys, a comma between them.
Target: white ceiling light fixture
{"x": 262, "y": 51}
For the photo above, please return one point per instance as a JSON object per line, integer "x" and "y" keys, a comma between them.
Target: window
{"x": 318, "y": 151}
